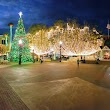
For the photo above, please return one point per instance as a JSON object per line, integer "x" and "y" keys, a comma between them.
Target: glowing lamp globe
{"x": 60, "y": 42}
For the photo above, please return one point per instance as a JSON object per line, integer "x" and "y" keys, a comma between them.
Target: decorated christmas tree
{"x": 20, "y": 48}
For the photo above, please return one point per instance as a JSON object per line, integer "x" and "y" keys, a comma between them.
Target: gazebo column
{"x": 101, "y": 54}
{"x": 54, "y": 56}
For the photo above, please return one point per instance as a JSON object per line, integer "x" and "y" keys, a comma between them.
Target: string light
{"x": 76, "y": 41}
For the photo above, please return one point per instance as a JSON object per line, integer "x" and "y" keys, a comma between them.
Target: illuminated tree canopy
{"x": 75, "y": 40}
{"x": 38, "y": 40}
{"x": 3, "y": 49}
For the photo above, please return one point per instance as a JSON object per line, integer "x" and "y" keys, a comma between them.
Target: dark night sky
{"x": 95, "y": 12}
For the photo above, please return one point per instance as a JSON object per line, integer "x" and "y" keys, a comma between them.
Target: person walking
{"x": 41, "y": 59}
{"x": 78, "y": 62}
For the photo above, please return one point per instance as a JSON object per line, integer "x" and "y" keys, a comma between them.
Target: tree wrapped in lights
{"x": 39, "y": 41}
{"x": 76, "y": 41}
{"x": 20, "y": 35}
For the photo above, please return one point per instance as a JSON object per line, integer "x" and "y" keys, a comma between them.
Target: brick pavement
{"x": 9, "y": 100}
{"x": 35, "y": 83}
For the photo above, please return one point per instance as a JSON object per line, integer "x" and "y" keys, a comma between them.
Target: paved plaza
{"x": 55, "y": 86}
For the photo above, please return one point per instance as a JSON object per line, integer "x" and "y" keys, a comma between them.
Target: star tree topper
{"x": 20, "y": 14}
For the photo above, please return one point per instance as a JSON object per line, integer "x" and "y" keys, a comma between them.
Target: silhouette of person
{"x": 78, "y": 62}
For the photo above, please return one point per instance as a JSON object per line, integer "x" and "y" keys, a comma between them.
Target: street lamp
{"x": 20, "y": 50}
{"x": 33, "y": 57}
{"x": 32, "y": 48}
{"x": 60, "y": 49}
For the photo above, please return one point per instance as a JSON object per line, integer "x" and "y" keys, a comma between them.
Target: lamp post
{"x": 32, "y": 48}
{"x": 51, "y": 54}
{"x": 60, "y": 49}
{"x": 20, "y": 50}
{"x": 33, "y": 57}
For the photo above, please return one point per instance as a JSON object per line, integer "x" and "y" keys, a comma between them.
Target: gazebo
{"x": 105, "y": 52}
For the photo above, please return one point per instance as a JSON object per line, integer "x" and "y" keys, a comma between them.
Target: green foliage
{"x": 17, "y": 49}
{"x": 59, "y": 23}
{"x": 35, "y": 28}
{"x": 107, "y": 43}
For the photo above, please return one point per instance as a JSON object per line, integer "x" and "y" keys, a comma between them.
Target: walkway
{"x": 9, "y": 100}
{"x": 55, "y": 86}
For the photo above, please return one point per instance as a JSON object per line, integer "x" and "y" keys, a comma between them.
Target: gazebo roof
{"x": 106, "y": 48}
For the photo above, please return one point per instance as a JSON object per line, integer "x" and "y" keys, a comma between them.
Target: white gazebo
{"x": 105, "y": 52}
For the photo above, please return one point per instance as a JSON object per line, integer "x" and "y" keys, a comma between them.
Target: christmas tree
{"x": 20, "y": 48}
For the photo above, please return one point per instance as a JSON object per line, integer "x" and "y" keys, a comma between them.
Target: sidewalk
{"x": 4, "y": 65}
{"x": 9, "y": 100}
